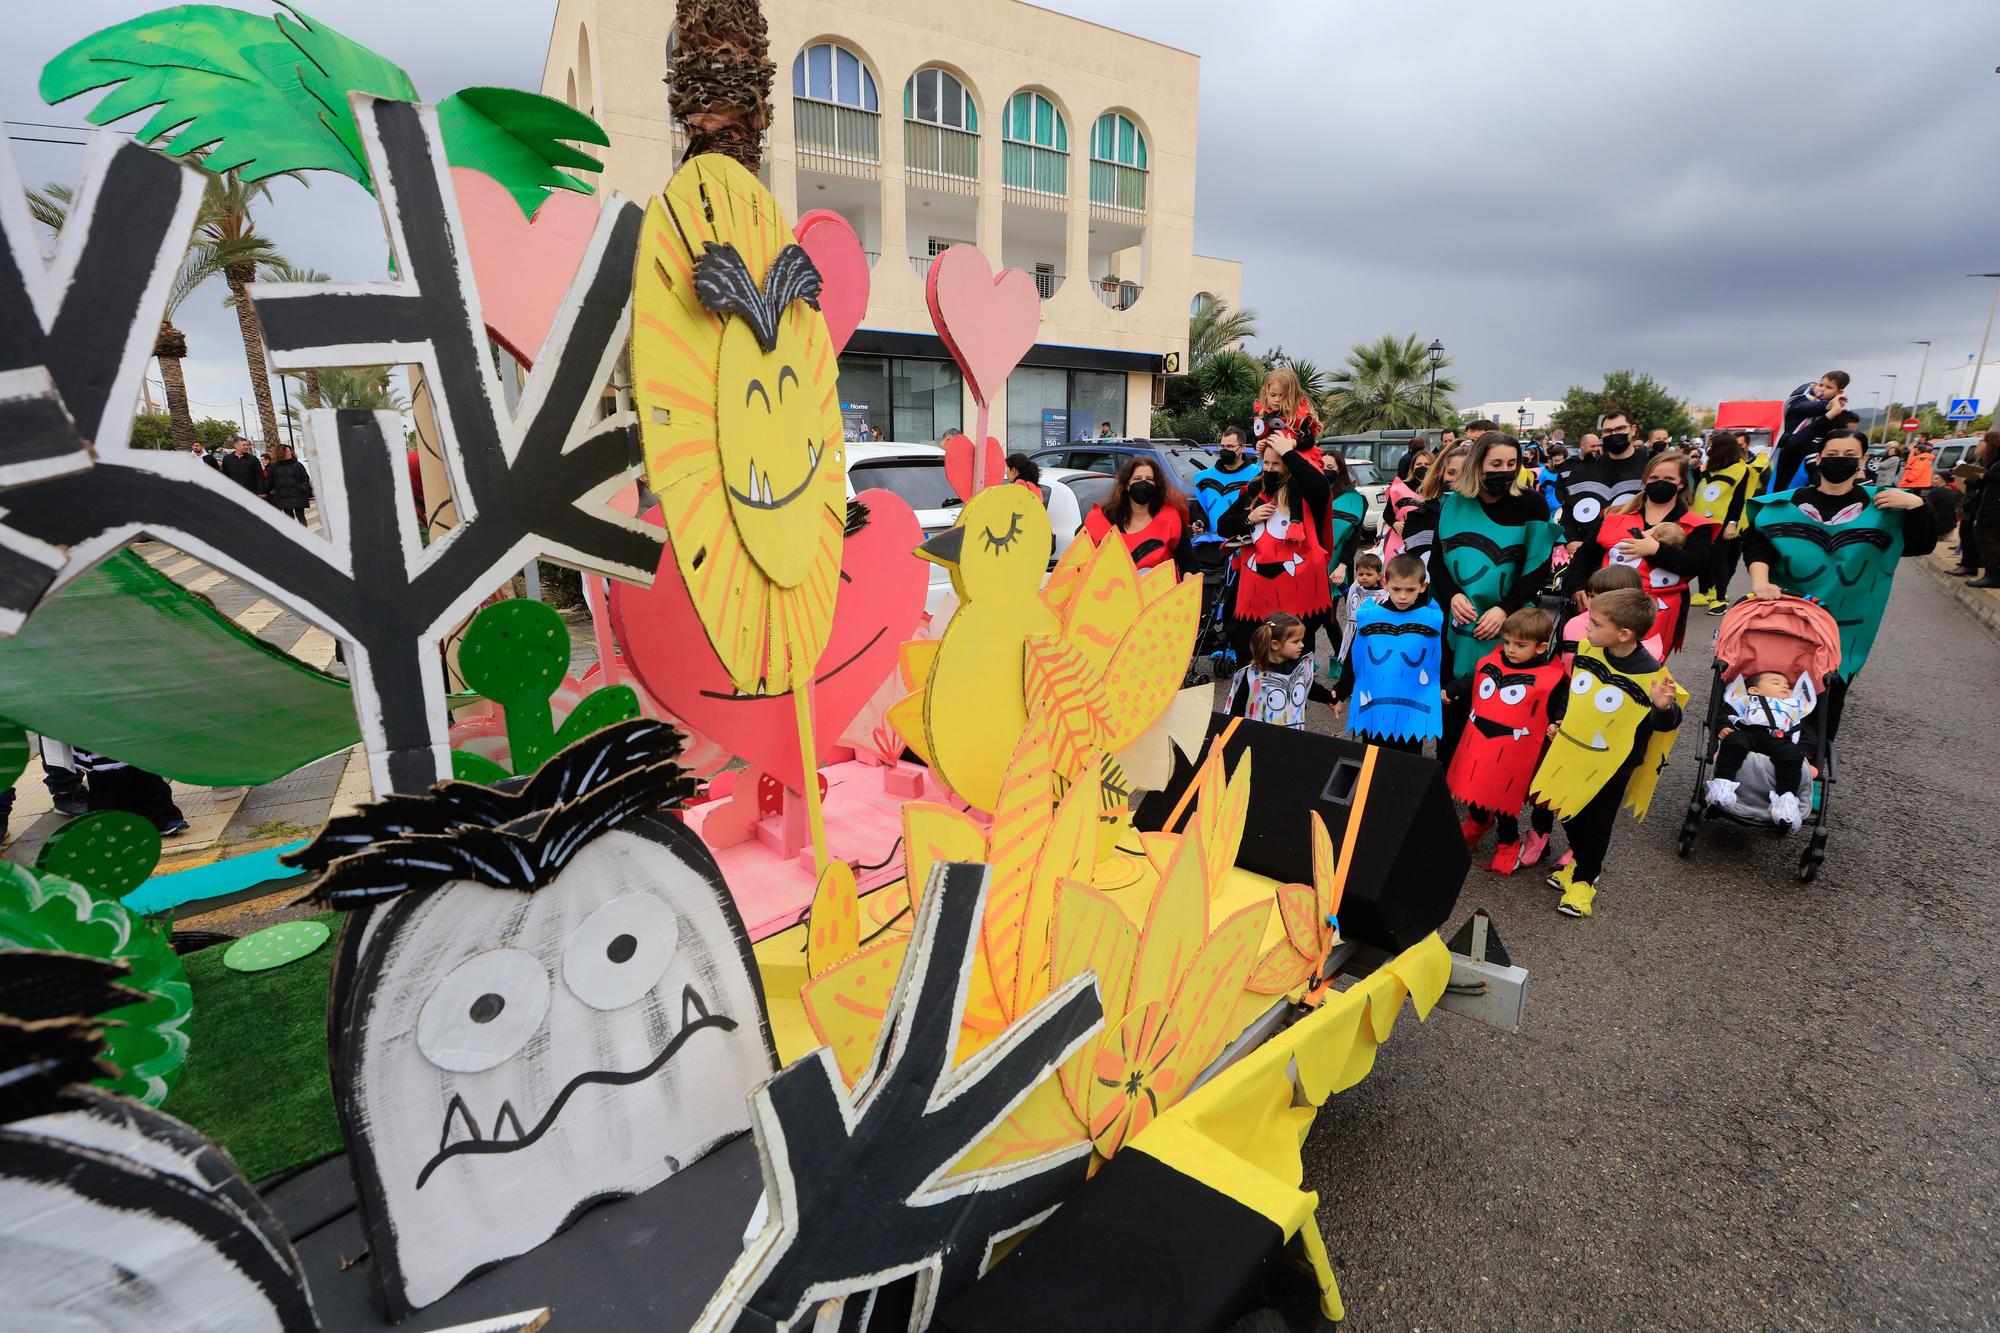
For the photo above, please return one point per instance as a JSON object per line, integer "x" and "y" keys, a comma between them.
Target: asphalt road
{"x": 1737, "y": 1101}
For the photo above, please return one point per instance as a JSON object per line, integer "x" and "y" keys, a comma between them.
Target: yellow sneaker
{"x": 1577, "y": 898}
{"x": 1560, "y": 878}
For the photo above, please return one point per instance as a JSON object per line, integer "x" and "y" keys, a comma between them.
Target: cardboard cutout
{"x": 1599, "y": 728}
{"x": 557, "y": 1005}
{"x": 988, "y": 324}
{"x": 527, "y": 481}
{"x": 1398, "y": 660}
{"x": 856, "y": 1184}
{"x": 829, "y": 239}
{"x": 1506, "y": 733}
{"x": 523, "y": 265}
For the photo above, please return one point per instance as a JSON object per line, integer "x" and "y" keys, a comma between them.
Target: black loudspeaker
{"x": 1409, "y": 860}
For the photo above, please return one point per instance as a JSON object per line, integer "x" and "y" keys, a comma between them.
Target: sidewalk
{"x": 1983, "y": 603}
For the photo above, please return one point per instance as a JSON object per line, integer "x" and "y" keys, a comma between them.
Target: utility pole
{"x": 1892, "y": 410}
{"x": 1980, "y": 360}
{"x": 1917, "y": 398}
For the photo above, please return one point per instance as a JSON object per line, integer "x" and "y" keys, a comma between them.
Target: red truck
{"x": 1757, "y": 423}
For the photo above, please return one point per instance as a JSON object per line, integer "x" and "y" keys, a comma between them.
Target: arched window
{"x": 936, "y": 98}
{"x": 583, "y": 73}
{"x": 829, "y": 72}
{"x": 1116, "y": 139}
{"x": 1032, "y": 118}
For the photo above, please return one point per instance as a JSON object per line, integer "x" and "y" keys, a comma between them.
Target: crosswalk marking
{"x": 180, "y": 566}
{"x": 260, "y": 613}
{"x": 314, "y": 648}
{"x": 205, "y": 582}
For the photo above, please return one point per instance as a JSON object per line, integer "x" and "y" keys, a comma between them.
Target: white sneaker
{"x": 1785, "y": 809}
{"x": 1722, "y": 791}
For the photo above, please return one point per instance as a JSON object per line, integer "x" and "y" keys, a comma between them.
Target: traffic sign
{"x": 1911, "y": 424}
{"x": 1963, "y": 409}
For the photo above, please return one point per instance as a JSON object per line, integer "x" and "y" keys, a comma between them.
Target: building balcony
{"x": 1117, "y": 295}
{"x": 839, "y": 140}
{"x": 938, "y": 157}
{"x": 1047, "y": 280}
{"x": 1035, "y": 176}
{"x": 1117, "y": 192}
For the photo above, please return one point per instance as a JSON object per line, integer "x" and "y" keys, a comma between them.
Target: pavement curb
{"x": 1982, "y": 603}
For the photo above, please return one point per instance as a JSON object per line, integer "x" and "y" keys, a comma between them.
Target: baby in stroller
{"x": 1766, "y": 713}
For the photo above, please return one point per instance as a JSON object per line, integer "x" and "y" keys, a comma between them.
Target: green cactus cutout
{"x": 516, "y": 653}
{"x": 146, "y": 1041}
{"x": 275, "y": 946}
{"x": 110, "y": 853}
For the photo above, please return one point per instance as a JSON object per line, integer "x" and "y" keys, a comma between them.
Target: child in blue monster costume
{"x": 1396, "y": 684}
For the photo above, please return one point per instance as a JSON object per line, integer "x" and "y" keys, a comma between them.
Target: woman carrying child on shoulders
{"x": 1658, "y": 534}
{"x": 1282, "y": 521}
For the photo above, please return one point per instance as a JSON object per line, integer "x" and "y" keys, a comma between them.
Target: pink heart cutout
{"x": 958, "y": 465}
{"x": 988, "y": 322}
{"x": 523, "y": 266}
{"x": 881, "y": 596}
{"x": 829, "y": 241}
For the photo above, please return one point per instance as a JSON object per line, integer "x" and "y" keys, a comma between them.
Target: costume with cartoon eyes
{"x": 974, "y": 709}
{"x": 1485, "y": 560}
{"x": 1599, "y": 729}
{"x": 1715, "y": 493}
{"x": 548, "y": 1011}
{"x": 735, "y": 380}
{"x": 1668, "y": 590}
{"x": 1284, "y": 568}
{"x": 1846, "y": 561}
{"x": 1277, "y": 697}
{"x": 1504, "y": 738}
{"x": 1398, "y": 657}
{"x": 1589, "y": 486}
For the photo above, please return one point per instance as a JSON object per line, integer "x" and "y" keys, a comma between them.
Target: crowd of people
{"x": 278, "y": 476}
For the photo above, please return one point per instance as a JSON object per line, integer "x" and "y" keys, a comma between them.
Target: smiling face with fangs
{"x": 518, "y": 1056}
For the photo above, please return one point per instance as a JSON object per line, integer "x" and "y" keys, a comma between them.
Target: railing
{"x": 1120, "y": 295}
{"x": 1046, "y": 284}
{"x": 939, "y": 157}
{"x": 1033, "y": 175}
{"x": 922, "y": 264}
{"x": 1117, "y": 192}
{"x": 841, "y": 140}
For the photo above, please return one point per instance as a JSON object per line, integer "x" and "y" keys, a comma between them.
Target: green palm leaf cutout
{"x": 336, "y": 65}
{"x": 518, "y": 139}
{"x": 146, "y": 1041}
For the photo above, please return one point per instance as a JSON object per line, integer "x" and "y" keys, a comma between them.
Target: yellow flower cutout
{"x": 736, "y": 383}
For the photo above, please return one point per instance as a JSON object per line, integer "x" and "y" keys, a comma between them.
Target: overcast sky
{"x": 1731, "y": 196}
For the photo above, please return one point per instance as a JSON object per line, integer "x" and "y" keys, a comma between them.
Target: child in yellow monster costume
{"x": 1617, "y": 731}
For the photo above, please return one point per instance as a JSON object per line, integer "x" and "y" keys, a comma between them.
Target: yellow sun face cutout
{"x": 736, "y": 384}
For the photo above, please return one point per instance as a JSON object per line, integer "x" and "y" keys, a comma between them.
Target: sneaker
{"x": 1785, "y": 809}
{"x": 173, "y": 826}
{"x": 72, "y": 805}
{"x": 1472, "y": 830}
{"x": 1506, "y": 858}
{"x": 1577, "y": 898}
{"x": 1722, "y": 791}
{"x": 1718, "y": 608}
{"x": 1560, "y": 880}
{"x": 1534, "y": 846}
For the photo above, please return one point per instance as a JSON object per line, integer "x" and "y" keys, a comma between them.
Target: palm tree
{"x": 1213, "y": 328}
{"x": 284, "y": 270}
{"x": 1231, "y": 373}
{"x": 50, "y": 206}
{"x": 719, "y": 77}
{"x": 1387, "y": 385}
{"x": 362, "y": 388}
{"x": 227, "y": 225}
{"x": 1318, "y": 388}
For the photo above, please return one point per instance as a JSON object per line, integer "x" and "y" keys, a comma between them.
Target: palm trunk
{"x": 170, "y": 346}
{"x": 720, "y": 83}
{"x": 312, "y": 389}
{"x": 240, "y": 277}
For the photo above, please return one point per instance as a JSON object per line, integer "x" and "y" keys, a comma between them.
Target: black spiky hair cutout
{"x": 723, "y": 282}
{"x": 507, "y": 840}
{"x": 50, "y": 1037}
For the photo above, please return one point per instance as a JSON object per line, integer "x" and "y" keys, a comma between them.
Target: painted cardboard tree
{"x": 528, "y": 481}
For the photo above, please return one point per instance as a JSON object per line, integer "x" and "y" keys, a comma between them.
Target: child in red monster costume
{"x": 1517, "y": 694}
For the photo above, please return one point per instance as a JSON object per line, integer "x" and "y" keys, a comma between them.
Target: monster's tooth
{"x": 459, "y": 1126}
{"x": 693, "y": 1008}
{"x": 1366, "y": 698}
{"x": 752, "y": 491}
{"x": 507, "y": 1125}
{"x": 767, "y": 489}
{"x": 1598, "y": 742}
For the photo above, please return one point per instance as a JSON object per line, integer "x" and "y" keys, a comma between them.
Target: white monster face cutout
{"x": 517, "y": 1052}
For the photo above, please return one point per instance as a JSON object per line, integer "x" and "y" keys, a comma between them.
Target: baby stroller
{"x": 1799, "y": 639}
{"x": 1214, "y": 659}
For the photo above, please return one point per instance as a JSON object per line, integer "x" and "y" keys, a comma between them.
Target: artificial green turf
{"x": 256, "y": 1079}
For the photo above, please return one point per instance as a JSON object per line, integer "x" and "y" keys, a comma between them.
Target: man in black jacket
{"x": 241, "y": 466}
{"x": 1595, "y": 482}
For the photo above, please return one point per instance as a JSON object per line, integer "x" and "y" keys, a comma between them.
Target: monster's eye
{"x": 1006, "y": 539}
{"x": 1513, "y": 694}
{"x": 620, "y": 951}
{"x": 1662, "y": 579}
{"x": 786, "y": 374}
{"x": 483, "y": 1011}
{"x": 756, "y": 387}
{"x": 1486, "y": 687}
{"x": 1607, "y": 699}
{"x": 1582, "y": 683}
{"x": 1586, "y": 509}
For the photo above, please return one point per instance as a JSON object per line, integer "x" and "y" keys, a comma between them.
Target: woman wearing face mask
{"x": 1401, "y": 499}
{"x": 1630, "y": 534}
{"x": 1349, "y": 509}
{"x": 1283, "y": 564}
{"x": 1837, "y": 541}
{"x": 1150, "y": 518}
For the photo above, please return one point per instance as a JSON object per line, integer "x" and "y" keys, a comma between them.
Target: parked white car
{"x": 1373, "y": 483}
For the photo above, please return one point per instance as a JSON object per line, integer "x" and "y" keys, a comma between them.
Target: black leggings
{"x": 1541, "y": 819}
{"x": 1722, "y": 558}
{"x": 135, "y": 791}
{"x": 1589, "y": 829}
{"x": 1825, "y": 719}
{"x": 1788, "y": 761}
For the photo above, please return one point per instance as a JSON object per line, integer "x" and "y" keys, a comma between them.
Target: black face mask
{"x": 1662, "y": 490}
{"x": 1617, "y": 442}
{"x": 1143, "y": 493}
{"x": 1274, "y": 482}
{"x": 1838, "y": 468}
{"x": 1417, "y": 475}
{"x": 1496, "y": 483}
{"x": 1231, "y": 457}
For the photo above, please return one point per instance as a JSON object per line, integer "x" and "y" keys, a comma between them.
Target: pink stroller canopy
{"x": 1791, "y": 635}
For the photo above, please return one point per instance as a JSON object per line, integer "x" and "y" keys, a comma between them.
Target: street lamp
{"x": 1522, "y": 413}
{"x": 1436, "y": 349}
{"x": 1917, "y": 397}
{"x": 1972, "y": 394}
{"x": 1886, "y": 436}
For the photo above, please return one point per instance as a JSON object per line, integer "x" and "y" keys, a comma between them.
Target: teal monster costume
{"x": 1485, "y": 559}
{"x": 1350, "y": 509}
{"x": 1845, "y": 562}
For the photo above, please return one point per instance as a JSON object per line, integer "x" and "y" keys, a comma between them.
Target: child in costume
{"x": 1517, "y": 694}
{"x": 1397, "y": 693}
{"x": 1608, "y": 578}
{"x": 1617, "y": 731}
{"x": 1275, "y": 686}
{"x": 1765, "y": 714}
{"x": 1366, "y": 587}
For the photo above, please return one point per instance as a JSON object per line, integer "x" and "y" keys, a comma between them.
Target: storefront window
{"x": 1096, "y": 398}
{"x": 864, "y": 397}
{"x": 1037, "y": 409}
{"x": 927, "y": 402}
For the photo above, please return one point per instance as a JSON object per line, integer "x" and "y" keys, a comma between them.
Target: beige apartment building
{"x": 1057, "y": 146}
